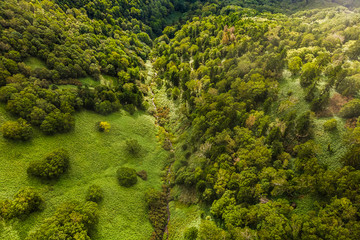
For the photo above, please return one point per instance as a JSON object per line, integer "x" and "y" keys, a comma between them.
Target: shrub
{"x": 52, "y": 166}
{"x": 103, "y": 126}
{"x": 142, "y": 174}
{"x": 191, "y": 233}
{"x": 330, "y": 125}
{"x": 57, "y": 121}
{"x": 130, "y": 108}
{"x": 70, "y": 221}
{"x": 26, "y": 201}
{"x": 156, "y": 201}
{"x": 126, "y": 176}
{"x": 94, "y": 194}
{"x": 351, "y": 109}
{"x": 133, "y": 146}
{"x": 19, "y": 130}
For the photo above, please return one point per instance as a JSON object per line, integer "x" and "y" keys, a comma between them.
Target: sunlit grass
{"x": 34, "y": 63}
{"x": 95, "y": 157}
{"x": 91, "y": 82}
{"x": 182, "y": 218}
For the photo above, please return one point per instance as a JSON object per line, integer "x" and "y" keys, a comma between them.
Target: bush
{"x": 25, "y": 202}
{"x": 142, "y": 174}
{"x": 191, "y": 233}
{"x": 330, "y": 125}
{"x": 130, "y": 108}
{"x": 52, "y": 166}
{"x": 351, "y": 109}
{"x": 57, "y": 121}
{"x": 103, "y": 126}
{"x": 70, "y": 221}
{"x": 126, "y": 176}
{"x": 94, "y": 194}
{"x": 156, "y": 201}
{"x": 133, "y": 146}
{"x": 18, "y": 130}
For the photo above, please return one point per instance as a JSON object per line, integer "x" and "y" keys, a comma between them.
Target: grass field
{"x": 91, "y": 82}
{"x": 34, "y": 63}
{"x": 95, "y": 158}
{"x": 182, "y": 218}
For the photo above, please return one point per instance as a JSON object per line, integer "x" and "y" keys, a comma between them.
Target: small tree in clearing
{"x": 133, "y": 146}
{"x": 103, "y": 126}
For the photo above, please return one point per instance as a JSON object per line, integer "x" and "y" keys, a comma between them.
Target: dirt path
{"x": 151, "y": 84}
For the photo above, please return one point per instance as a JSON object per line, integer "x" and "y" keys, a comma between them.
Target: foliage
{"x": 351, "y": 109}
{"x": 133, "y": 146}
{"x": 157, "y": 202}
{"x": 26, "y": 201}
{"x": 330, "y": 125}
{"x": 142, "y": 174}
{"x": 103, "y": 126}
{"x": 94, "y": 194}
{"x": 191, "y": 233}
{"x": 126, "y": 176}
{"x": 52, "y": 166}
{"x": 62, "y": 222}
{"x": 19, "y": 130}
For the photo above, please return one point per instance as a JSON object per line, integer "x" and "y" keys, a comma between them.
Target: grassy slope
{"x": 95, "y": 158}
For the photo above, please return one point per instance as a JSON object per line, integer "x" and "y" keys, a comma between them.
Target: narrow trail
{"x": 150, "y": 82}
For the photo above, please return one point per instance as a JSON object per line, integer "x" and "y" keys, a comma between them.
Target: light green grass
{"x": 67, "y": 86}
{"x": 183, "y": 217}
{"x": 322, "y": 138}
{"x": 334, "y": 138}
{"x": 298, "y": 103}
{"x": 95, "y": 158}
{"x": 34, "y": 63}
{"x": 91, "y": 82}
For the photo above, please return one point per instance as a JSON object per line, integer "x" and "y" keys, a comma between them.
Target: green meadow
{"x": 95, "y": 157}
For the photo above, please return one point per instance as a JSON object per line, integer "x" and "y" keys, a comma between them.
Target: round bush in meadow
{"x": 127, "y": 176}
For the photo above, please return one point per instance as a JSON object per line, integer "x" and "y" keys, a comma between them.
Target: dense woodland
{"x": 251, "y": 82}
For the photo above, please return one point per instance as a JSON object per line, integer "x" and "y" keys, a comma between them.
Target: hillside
{"x": 167, "y": 119}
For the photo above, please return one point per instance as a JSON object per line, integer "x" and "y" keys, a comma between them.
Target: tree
{"x": 303, "y": 123}
{"x": 57, "y": 121}
{"x": 26, "y": 201}
{"x": 71, "y": 220}
{"x": 309, "y": 74}
{"x": 209, "y": 230}
{"x": 94, "y": 194}
{"x": 295, "y": 64}
{"x": 330, "y": 125}
{"x": 133, "y": 146}
{"x": 52, "y": 166}
{"x": 19, "y": 130}
{"x": 351, "y": 109}
{"x": 103, "y": 126}
{"x": 126, "y": 176}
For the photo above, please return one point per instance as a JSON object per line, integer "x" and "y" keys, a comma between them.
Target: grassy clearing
{"x": 91, "y": 82}
{"x": 182, "y": 218}
{"x": 34, "y": 63}
{"x": 95, "y": 158}
{"x": 291, "y": 97}
{"x": 334, "y": 138}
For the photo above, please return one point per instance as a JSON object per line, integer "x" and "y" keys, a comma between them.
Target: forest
{"x": 169, "y": 119}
